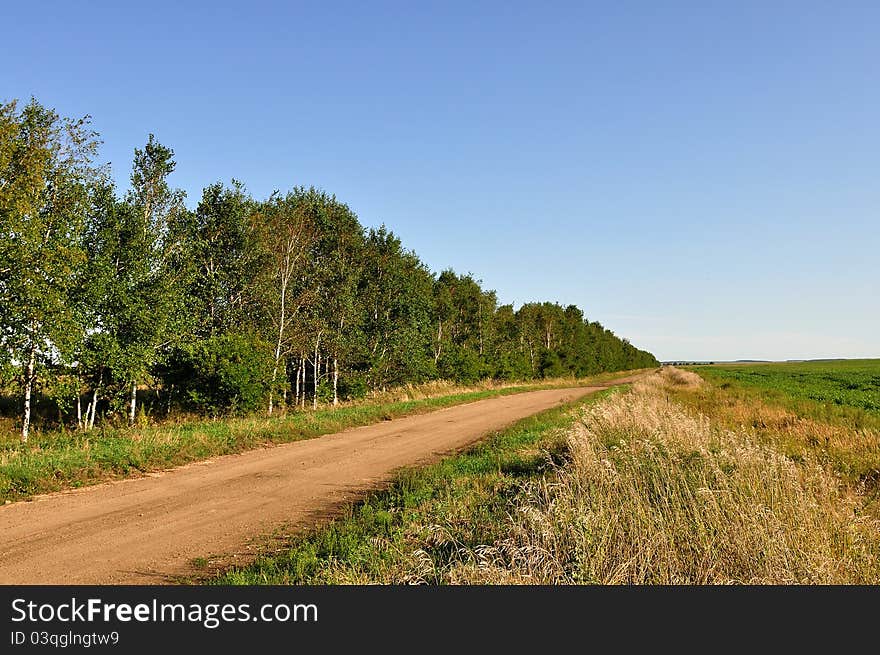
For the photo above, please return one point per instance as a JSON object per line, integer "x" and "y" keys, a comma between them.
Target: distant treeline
{"x": 239, "y": 303}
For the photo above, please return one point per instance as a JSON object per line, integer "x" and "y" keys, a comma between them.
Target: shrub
{"x": 551, "y": 365}
{"x": 460, "y": 364}
{"x": 228, "y": 373}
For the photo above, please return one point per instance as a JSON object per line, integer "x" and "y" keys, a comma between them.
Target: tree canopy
{"x": 240, "y": 303}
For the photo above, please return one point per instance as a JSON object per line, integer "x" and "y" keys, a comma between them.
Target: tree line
{"x": 110, "y": 300}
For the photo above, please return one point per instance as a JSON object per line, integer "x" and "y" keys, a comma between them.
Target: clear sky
{"x": 703, "y": 178}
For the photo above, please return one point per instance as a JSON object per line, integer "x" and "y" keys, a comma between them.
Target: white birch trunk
{"x": 90, "y": 420}
{"x": 282, "y": 315}
{"x": 480, "y": 305}
{"x": 28, "y": 389}
{"x": 317, "y": 367}
{"x": 94, "y": 406}
{"x": 271, "y": 393}
{"x": 275, "y": 372}
{"x": 335, "y": 381}
{"x": 315, "y": 374}
{"x": 132, "y": 412}
{"x": 439, "y": 341}
{"x": 296, "y": 394}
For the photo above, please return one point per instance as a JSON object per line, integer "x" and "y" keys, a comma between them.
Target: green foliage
{"x": 227, "y": 373}
{"x": 101, "y": 295}
{"x": 8, "y": 376}
{"x": 135, "y": 300}
{"x": 353, "y": 387}
{"x": 46, "y": 173}
{"x": 512, "y": 365}
{"x": 550, "y": 364}
{"x": 396, "y": 292}
{"x": 460, "y": 364}
{"x": 220, "y": 250}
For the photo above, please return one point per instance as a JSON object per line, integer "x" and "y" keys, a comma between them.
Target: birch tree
{"x": 155, "y": 300}
{"x": 46, "y": 167}
{"x": 255, "y": 298}
{"x": 135, "y": 247}
{"x": 222, "y": 251}
{"x": 285, "y": 228}
{"x": 338, "y": 267}
{"x": 98, "y": 354}
{"x": 397, "y": 293}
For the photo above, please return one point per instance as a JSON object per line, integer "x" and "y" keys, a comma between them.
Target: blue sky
{"x": 700, "y": 177}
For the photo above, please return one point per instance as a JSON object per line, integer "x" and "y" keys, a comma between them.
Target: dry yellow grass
{"x": 656, "y": 494}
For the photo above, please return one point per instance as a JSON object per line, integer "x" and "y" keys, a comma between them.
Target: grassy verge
{"x": 417, "y": 529}
{"x": 69, "y": 459}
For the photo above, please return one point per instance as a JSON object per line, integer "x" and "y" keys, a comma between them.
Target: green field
{"x": 853, "y": 386}
{"x": 825, "y": 411}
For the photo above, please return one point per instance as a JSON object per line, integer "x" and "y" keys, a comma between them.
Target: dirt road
{"x": 146, "y": 530}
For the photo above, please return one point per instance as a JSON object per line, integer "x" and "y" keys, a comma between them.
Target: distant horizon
{"x": 767, "y": 361}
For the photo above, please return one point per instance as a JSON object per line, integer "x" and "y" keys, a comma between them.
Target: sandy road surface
{"x": 143, "y": 530}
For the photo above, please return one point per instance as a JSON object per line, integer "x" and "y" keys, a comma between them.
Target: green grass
{"x": 58, "y": 460}
{"x": 843, "y": 392}
{"x": 418, "y": 528}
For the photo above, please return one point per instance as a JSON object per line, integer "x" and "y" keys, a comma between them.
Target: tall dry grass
{"x": 654, "y": 494}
